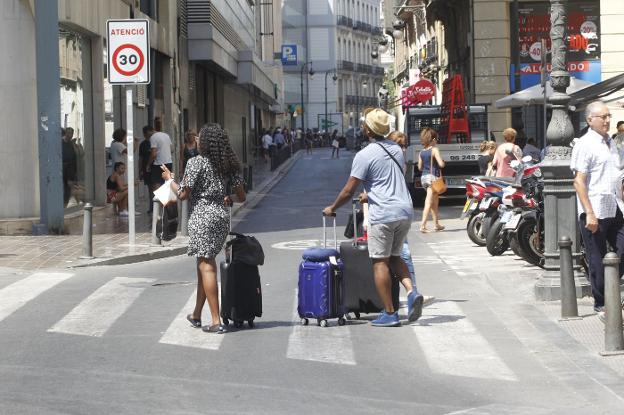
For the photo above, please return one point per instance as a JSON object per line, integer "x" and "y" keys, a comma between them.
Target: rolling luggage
{"x": 321, "y": 289}
{"x": 359, "y": 282}
{"x": 241, "y": 292}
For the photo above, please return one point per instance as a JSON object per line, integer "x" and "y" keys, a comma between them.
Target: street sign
{"x": 289, "y": 55}
{"x": 128, "y": 51}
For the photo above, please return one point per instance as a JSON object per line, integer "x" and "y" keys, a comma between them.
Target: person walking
{"x": 502, "y": 160}
{"x": 267, "y": 142}
{"x": 309, "y": 141}
{"x": 597, "y": 165}
{"x": 487, "y": 150}
{"x": 430, "y": 163}
{"x": 379, "y": 169}
{"x": 190, "y": 149}
{"x": 278, "y": 138}
{"x": 205, "y": 181}
{"x": 335, "y": 144}
{"x": 145, "y": 151}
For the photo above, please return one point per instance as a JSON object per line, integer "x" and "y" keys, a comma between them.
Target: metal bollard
{"x": 87, "y": 232}
{"x": 155, "y": 214}
{"x": 184, "y": 218}
{"x": 569, "y": 307}
{"x": 614, "y": 339}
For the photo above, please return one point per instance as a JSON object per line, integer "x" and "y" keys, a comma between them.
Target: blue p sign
{"x": 289, "y": 55}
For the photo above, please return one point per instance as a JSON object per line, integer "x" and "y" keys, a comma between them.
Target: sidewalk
{"x": 110, "y": 234}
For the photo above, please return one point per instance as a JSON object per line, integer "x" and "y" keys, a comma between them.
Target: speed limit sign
{"x": 128, "y": 51}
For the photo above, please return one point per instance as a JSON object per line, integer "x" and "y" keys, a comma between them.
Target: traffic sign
{"x": 128, "y": 51}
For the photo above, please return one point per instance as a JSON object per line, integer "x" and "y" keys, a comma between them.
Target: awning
{"x": 535, "y": 95}
{"x": 603, "y": 89}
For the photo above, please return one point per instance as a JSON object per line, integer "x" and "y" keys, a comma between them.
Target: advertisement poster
{"x": 583, "y": 41}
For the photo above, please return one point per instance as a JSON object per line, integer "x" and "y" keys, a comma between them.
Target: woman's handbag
{"x": 245, "y": 249}
{"x": 438, "y": 185}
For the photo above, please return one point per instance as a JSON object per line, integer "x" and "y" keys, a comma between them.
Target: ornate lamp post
{"x": 334, "y": 78}
{"x": 303, "y": 109}
{"x": 559, "y": 194}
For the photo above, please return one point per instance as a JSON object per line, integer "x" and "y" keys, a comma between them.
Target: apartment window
{"x": 150, "y": 8}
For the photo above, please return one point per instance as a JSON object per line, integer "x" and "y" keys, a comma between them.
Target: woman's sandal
{"x": 216, "y": 329}
{"x": 424, "y": 230}
{"x": 194, "y": 321}
{"x": 439, "y": 228}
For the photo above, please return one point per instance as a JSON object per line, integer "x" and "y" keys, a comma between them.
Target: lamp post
{"x": 357, "y": 101}
{"x": 559, "y": 194}
{"x": 334, "y": 78}
{"x": 303, "y": 110}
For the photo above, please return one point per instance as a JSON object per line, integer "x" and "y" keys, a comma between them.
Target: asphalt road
{"x": 114, "y": 340}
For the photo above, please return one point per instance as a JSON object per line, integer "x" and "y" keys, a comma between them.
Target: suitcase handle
{"x": 354, "y": 203}
{"x": 333, "y": 216}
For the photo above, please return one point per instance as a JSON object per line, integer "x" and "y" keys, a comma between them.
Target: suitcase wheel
{"x": 357, "y": 315}
{"x": 226, "y": 322}
{"x": 323, "y": 323}
{"x": 251, "y": 323}
{"x": 342, "y": 321}
{"x": 304, "y": 321}
{"x": 238, "y": 324}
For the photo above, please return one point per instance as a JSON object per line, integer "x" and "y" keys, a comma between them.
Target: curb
{"x": 253, "y": 198}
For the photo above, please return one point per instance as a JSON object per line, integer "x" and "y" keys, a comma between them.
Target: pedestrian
{"x": 430, "y": 163}
{"x": 502, "y": 160}
{"x": 161, "y": 148}
{"x": 205, "y": 181}
{"x": 530, "y": 149}
{"x": 190, "y": 149}
{"x": 309, "y": 140}
{"x": 278, "y": 138}
{"x": 70, "y": 166}
{"x": 117, "y": 188}
{"x": 145, "y": 151}
{"x": 267, "y": 142}
{"x": 118, "y": 149}
{"x": 487, "y": 150}
{"x": 335, "y": 144}
{"x": 619, "y": 135}
{"x": 597, "y": 165}
{"x": 379, "y": 169}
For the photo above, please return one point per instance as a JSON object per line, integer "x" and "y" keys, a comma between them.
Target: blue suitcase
{"x": 321, "y": 286}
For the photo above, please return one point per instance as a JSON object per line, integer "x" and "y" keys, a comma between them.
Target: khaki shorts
{"x": 386, "y": 239}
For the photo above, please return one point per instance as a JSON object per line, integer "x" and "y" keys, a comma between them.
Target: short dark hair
{"x": 147, "y": 129}
{"x": 619, "y": 123}
{"x": 118, "y": 164}
{"x": 119, "y": 134}
{"x": 531, "y": 141}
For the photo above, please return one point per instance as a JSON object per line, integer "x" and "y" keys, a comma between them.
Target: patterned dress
{"x": 209, "y": 221}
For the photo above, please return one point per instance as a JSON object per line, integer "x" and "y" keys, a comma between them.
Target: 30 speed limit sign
{"x": 128, "y": 51}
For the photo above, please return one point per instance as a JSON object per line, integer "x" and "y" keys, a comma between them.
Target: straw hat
{"x": 378, "y": 121}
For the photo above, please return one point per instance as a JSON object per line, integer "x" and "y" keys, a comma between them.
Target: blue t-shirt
{"x": 388, "y": 197}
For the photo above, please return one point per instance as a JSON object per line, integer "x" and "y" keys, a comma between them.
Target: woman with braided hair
{"x": 205, "y": 181}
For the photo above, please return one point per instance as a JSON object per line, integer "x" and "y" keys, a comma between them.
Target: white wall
{"x": 612, "y": 50}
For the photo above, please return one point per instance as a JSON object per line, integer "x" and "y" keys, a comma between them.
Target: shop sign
{"x": 419, "y": 93}
{"x": 289, "y": 55}
{"x": 128, "y": 51}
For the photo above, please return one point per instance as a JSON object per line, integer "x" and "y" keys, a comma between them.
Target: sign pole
{"x": 130, "y": 170}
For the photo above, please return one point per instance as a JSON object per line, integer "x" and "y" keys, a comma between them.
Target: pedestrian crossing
{"x": 451, "y": 343}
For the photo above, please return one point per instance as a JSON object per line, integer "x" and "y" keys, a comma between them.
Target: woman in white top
{"x": 118, "y": 148}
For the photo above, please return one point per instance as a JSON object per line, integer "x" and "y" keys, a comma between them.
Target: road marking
{"x": 98, "y": 312}
{"x": 14, "y": 296}
{"x": 181, "y": 333}
{"x": 330, "y": 344}
{"x": 306, "y": 243}
{"x": 453, "y": 346}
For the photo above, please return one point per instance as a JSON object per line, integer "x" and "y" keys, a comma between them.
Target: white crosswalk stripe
{"x": 14, "y": 296}
{"x": 330, "y": 344}
{"x": 180, "y": 332}
{"x": 98, "y": 312}
{"x": 452, "y": 345}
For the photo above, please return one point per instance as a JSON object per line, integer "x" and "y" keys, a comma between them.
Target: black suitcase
{"x": 241, "y": 291}
{"x": 359, "y": 282}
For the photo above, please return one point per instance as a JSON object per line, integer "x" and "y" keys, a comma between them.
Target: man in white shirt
{"x": 596, "y": 162}
{"x": 278, "y": 138}
{"x": 267, "y": 142}
{"x": 161, "y": 149}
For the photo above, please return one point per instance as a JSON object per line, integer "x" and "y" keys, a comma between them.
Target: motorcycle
{"x": 482, "y": 196}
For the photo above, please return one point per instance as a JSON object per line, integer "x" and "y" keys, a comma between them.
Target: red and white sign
{"x": 419, "y": 93}
{"x": 128, "y": 51}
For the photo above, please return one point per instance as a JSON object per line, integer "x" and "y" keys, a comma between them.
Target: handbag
{"x": 167, "y": 228}
{"x": 438, "y": 185}
{"x": 359, "y": 218}
{"x": 245, "y": 249}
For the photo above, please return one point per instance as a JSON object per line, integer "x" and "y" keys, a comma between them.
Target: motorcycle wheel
{"x": 475, "y": 230}
{"x": 487, "y": 221}
{"x": 528, "y": 240}
{"x": 514, "y": 245}
{"x": 497, "y": 242}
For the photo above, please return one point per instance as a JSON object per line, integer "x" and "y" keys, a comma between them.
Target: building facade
{"x": 211, "y": 61}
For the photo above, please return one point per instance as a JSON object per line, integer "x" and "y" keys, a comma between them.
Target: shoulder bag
{"x": 438, "y": 185}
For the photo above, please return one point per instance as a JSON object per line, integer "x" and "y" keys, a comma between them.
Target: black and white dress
{"x": 208, "y": 224}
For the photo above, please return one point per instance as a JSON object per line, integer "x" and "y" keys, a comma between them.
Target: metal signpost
{"x": 128, "y": 64}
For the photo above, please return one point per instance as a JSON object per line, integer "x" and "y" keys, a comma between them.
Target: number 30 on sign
{"x": 128, "y": 51}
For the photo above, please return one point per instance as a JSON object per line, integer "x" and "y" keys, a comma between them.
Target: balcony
{"x": 345, "y": 66}
{"x": 377, "y": 31}
{"x": 344, "y": 21}
{"x": 378, "y": 70}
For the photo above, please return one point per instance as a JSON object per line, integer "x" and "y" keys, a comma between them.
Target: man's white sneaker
{"x": 123, "y": 213}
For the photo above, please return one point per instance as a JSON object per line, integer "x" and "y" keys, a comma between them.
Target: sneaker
{"x": 123, "y": 213}
{"x": 603, "y": 317}
{"x": 428, "y": 299}
{"x": 414, "y": 306}
{"x": 387, "y": 320}
{"x": 599, "y": 308}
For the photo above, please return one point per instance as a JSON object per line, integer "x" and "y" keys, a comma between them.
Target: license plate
{"x": 506, "y": 217}
{"x": 513, "y": 222}
{"x": 485, "y": 203}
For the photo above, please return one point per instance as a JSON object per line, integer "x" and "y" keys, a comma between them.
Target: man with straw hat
{"x": 378, "y": 168}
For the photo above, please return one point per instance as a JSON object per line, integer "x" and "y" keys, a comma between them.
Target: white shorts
{"x": 386, "y": 239}
{"x": 426, "y": 180}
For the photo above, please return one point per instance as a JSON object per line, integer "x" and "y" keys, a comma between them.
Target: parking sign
{"x": 289, "y": 55}
{"x": 128, "y": 51}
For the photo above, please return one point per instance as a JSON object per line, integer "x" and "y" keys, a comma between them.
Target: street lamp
{"x": 311, "y": 73}
{"x": 559, "y": 194}
{"x": 398, "y": 27}
{"x": 334, "y": 78}
{"x": 383, "y": 45}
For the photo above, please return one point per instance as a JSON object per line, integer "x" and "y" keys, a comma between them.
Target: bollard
{"x": 614, "y": 339}
{"x": 569, "y": 307}
{"x": 87, "y": 232}
{"x": 155, "y": 213}
{"x": 184, "y": 230}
